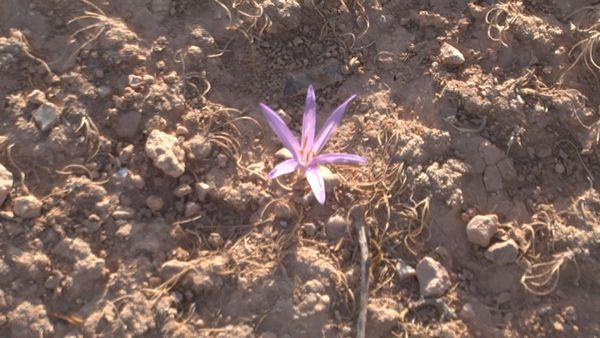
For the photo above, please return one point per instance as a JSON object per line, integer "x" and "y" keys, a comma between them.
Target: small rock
{"x": 310, "y": 229}
{"x": 46, "y": 115}
{"x": 492, "y": 179}
{"x": 36, "y": 97}
{"x": 481, "y": 229}
{"x": 128, "y": 124}
{"x": 331, "y": 180}
{"x": 222, "y": 160}
{"x": 137, "y": 181}
{"x": 543, "y": 150}
{"x": 570, "y": 314}
{"x": 6, "y": 183}
{"x": 124, "y": 229}
{"x": 450, "y": 55}
{"x": 283, "y": 211}
{"x": 284, "y": 116}
{"x": 52, "y": 282}
{"x": 433, "y": 278}
{"x": 125, "y": 153}
{"x": 202, "y": 190}
{"x": 27, "y": 207}
{"x": 467, "y": 313}
{"x": 166, "y": 153}
{"x": 559, "y": 168}
{"x": 283, "y": 154}
{"x": 155, "y": 203}
{"x": 558, "y": 326}
{"x": 404, "y": 270}
{"x": 503, "y": 253}
{"x": 192, "y": 209}
{"x": 215, "y": 240}
{"x": 123, "y": 213}
{"x": 181, "y": 130}
{"x": 336, "y": 227}
{"x": 182, "y": 190}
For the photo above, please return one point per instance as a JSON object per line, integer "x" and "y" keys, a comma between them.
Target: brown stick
{"x": 365, "y": 264}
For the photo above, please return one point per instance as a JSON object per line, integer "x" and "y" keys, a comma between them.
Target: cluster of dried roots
{"x": 541, "y": 262}
{"x": 500, "y": 18}
{"x": 397, "y": 222}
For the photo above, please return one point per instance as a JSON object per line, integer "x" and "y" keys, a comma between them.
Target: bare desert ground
{"x": 135, "y": 202}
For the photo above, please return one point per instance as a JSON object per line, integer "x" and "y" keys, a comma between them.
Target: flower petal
{"x": 283, "y": 168}
{"x": 309, "y": 120}
{"x": 281, "y": 130}
{"x": 330, "y": 125}
{"x": 316, "y": 182}
{"x": 334, "y": 158}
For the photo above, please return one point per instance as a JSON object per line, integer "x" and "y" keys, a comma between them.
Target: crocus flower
{"x": 306, "y": 157}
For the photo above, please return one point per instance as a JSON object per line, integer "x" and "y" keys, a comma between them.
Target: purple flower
{"x": 305, "y": 155}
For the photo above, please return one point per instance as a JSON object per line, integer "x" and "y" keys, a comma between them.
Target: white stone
{"x": 46, "y": 115}
{"x": 6, "y": 183}
{"x": 450, "y": 55}
{"x": 202, "y": 190}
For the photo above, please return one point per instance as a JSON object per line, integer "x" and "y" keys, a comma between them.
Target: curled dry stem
{"x": 18, "y": 168}
{"x": 499, "y": 19}
{"x": 26, "y": 49}
{"x": 542, "y": 278}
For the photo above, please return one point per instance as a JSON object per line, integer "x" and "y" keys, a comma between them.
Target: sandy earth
{"x": 133, "y": 161}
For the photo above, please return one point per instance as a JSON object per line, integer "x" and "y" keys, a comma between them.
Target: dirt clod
{"x": 166, "y": 153}
{"x": 198, "y": 147}
{"x": 380, "y": 320}
{"x": 28, "y": 320}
